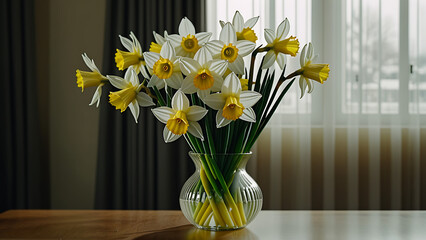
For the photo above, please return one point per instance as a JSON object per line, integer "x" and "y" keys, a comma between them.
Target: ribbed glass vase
{"x": 220, "y": 195}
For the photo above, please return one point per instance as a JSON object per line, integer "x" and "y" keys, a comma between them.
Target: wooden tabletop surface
{"x": 97, "y": 224}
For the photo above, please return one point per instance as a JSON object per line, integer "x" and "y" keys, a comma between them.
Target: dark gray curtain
{"x": 23, "y": 181}
{"x": 136, "y": 169}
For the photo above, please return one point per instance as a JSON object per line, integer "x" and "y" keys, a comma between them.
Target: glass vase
{"x": 220, "y": 195}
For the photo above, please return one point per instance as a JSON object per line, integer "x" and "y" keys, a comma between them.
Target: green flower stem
{"x": 168, "y": 95}
{"x": 259, "y": 76}
{"x": 206, "y": 184}
{"x": 228, "y": 136}
{"x": 215, "y": 168}
{"x": 274, "y": 93}
{"x": 159, "y": 97}
{"x": 265, "y": 121}
{"x": 253, "y": 59}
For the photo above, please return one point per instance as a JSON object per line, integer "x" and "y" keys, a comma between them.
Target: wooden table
{"x": 327, "y": 225}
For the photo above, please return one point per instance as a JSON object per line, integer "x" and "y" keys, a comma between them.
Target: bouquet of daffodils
{"x": 201, "y": 90}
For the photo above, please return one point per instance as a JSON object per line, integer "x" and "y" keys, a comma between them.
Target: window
{"x": 385, "y": 64}
{"x": 377, "y": 53}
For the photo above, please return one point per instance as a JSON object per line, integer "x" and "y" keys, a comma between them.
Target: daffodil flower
{"x": 279, "y": 45}
{"x": 159, "y": 42}
{"x": 187, "y": 42}
{"x": 133, "y": 58}
{"x": 181, "y": 118}
{"x": 244, "y": 30}
{"x": 165, "y": 67}
{"x": 130, "y": 94}
{"x": 232, "y": 103}
{"x": 203, "y": 74}
{"x": 91, "y": 79}
{"x": 317, "y": 72}
{"x": 229, "y": 49}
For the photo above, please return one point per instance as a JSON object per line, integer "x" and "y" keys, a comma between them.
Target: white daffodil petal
{"x": 195, "y": 129}
{"x": 176, "y": 64}
{"x": 231, "y": 85}
{"x": 203, "y": 56}
{"x": 117, "y": 82}
{"x": 310, "y": 51}
{"x": 131, "y": 76}
{"x": 217, "y": 84}
{"x": 144, "y": 72}
{"x": 134, "y": 108}
{"x": 156, "y": 82}
{"x": 248, "y": 115}
{"x": 95, "y": 69}
{"x": 269, "y": 35}
{"x": 97, "y": 96}
{"x": 227, "y": 34}
{"x": 136, "y": 68}
{"x": 175, "y": 81}
{"x": 169, "y": 136}
{"x": 218, "y": 66}
{"x": 222, "y": 23}
{"x": 158, "y": 38}
{"x": 238, "y": 22}
{"x": 188, "y": 86}
{"x": 89, "y": 63}
{"x": 281, "y": 59}
{"x": 220, "y": 120}
{"x": 303, "y": 56}
{"x": 144, "y": 99}
{"x": 188, "y": 65}
{"x": 249, "y": 98}
{"x": 283, "y": 29}
{"x": 163, "y": 114}
{"x": 215, "y": 101}
{"x": 245, "y": 47}
{"x": 136, "y": 43}
{"x": 302, "y": 84}
{"x": 180, "y": 101}
{"x": 186, "y": 27}
{"x": 268, "y": 60}
{"x": 174, "y": 39}
{"x": 203, "y": 93}
{"x": 180, "y": 52}
{"x": 151, "y": 58}
{"x": 237, "y": 66}
{"x": 203, "y": 37}
{"x": 310, "y": 86}
{"x": 196, "y": 113}
{"x": 251, "y": 22}
{"x": 214, "y": 47}
{"x": 167, "y": 51}
{"x": 126, "y": 43}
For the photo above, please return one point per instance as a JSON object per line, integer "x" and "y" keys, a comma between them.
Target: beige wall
{"x": 73, "y": 27}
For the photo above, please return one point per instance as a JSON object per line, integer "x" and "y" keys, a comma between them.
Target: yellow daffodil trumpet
{"x": 288, "y": 46}
{"x": 317, "y": 72}
{"x": 88, "y": 79}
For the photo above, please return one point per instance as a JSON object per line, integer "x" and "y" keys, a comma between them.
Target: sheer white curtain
{"x": 359, "y": 140}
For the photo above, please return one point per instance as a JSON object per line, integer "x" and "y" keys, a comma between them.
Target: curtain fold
{"x": 23, "y": 182}
{"x": 135, "y": 168}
